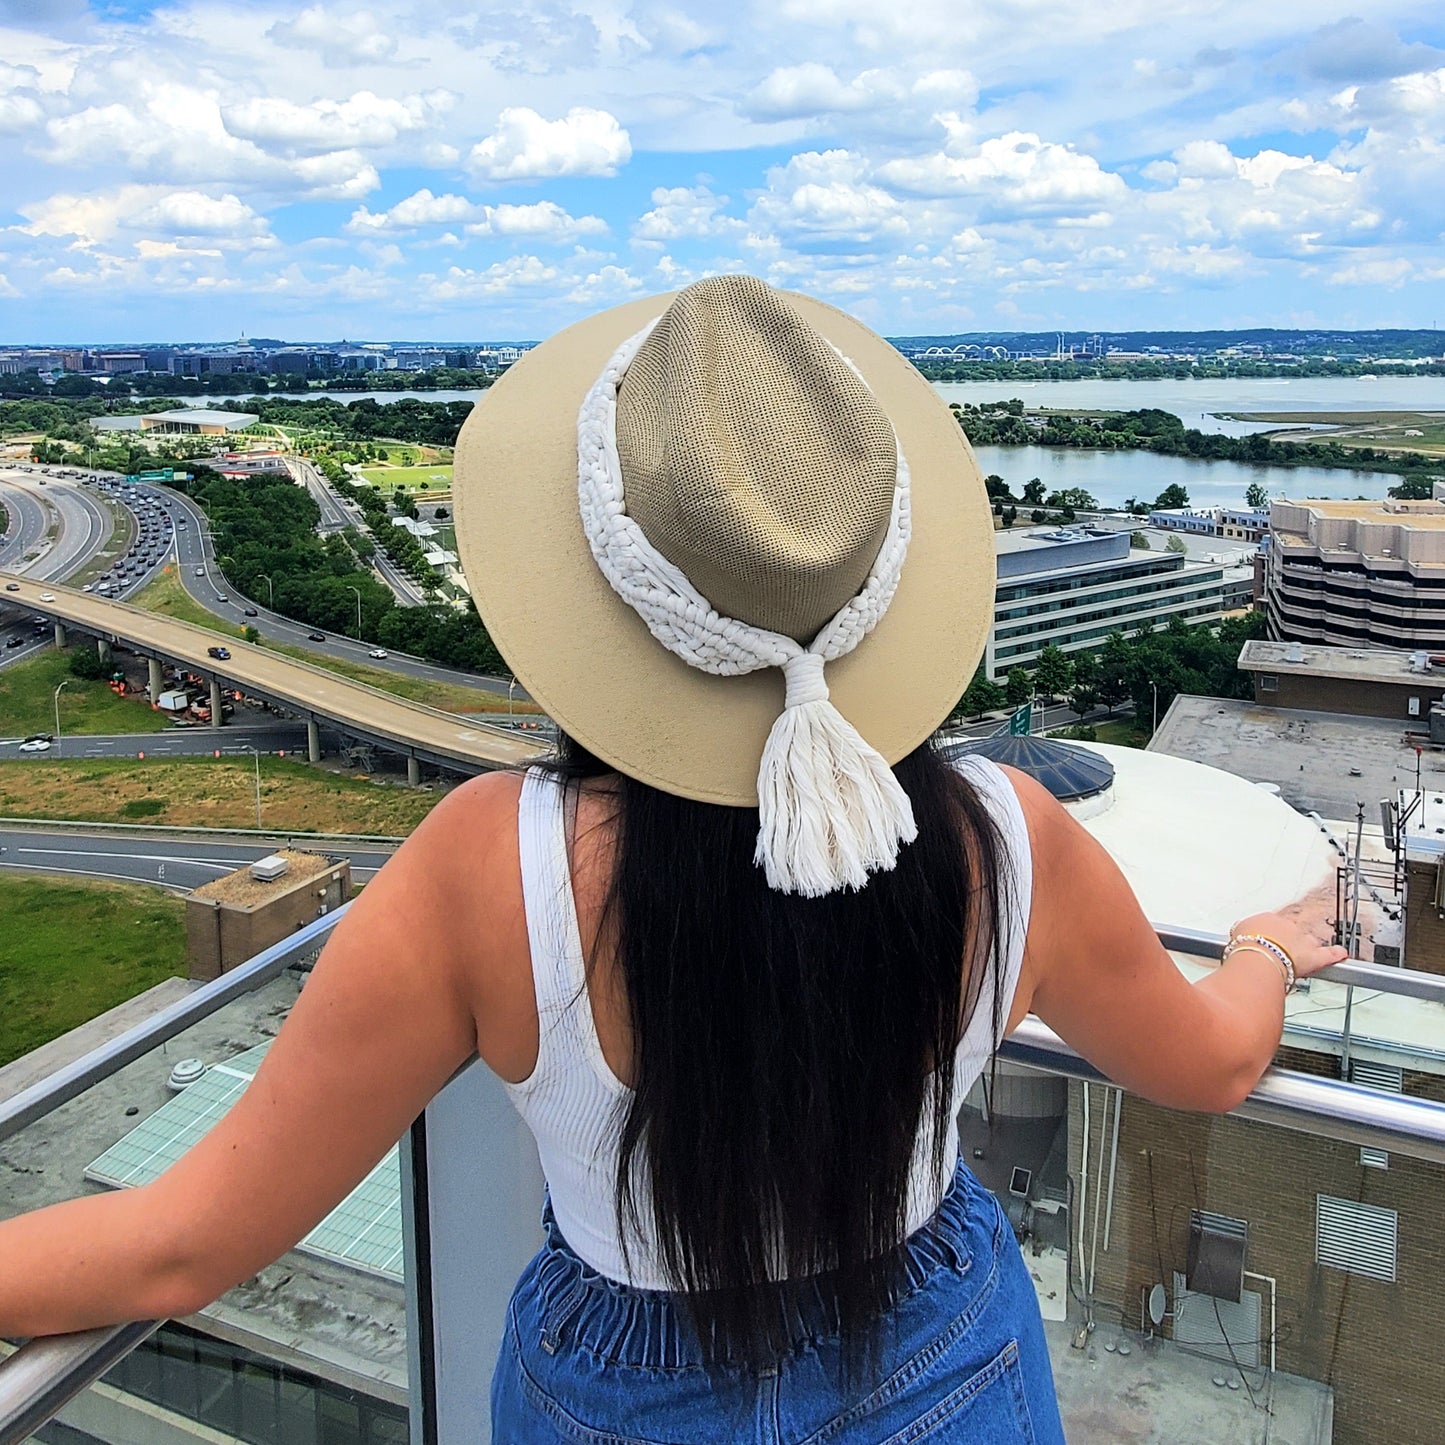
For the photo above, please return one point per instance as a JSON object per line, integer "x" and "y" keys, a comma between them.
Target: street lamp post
{"x": 511, "y": 688}
{"x": 1154, "y": 688}
{"x": 257, "y": 756}
{"x": 270, "y": 590}
{"x": 65, "y": 682}
{"x": 356, "y": 590}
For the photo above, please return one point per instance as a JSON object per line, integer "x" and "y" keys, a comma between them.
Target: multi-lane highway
{"x": 335, "y": 517}
{"x": 178, "y": 742}
{"x": 172, "y": 859}
{"x": 194, "y": 549}
{"x": 421, "y": 734}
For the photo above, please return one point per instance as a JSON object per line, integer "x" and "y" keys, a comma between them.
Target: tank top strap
{"x": 566, "y": 1032}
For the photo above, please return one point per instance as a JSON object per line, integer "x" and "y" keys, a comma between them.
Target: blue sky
{"x": 429, "y": 168}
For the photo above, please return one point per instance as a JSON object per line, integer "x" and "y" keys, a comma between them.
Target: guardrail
{"x": 43, "y": 1374}
{"x": 187, "y": 830}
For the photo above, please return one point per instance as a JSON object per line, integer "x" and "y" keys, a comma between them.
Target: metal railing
{"x": 41, "y": 1376}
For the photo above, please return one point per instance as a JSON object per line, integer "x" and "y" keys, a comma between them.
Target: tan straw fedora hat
{"x": 744, "y": 449}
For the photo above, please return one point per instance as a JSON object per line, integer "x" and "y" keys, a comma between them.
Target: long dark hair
{"x": 785, "y": 1048}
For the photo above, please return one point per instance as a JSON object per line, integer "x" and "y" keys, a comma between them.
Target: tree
{"x": 1074, "y": 499}
{"x": 1018, "y": 687}
{"x": 997, "y": 488}
{"x": 1256, "y": 495}
{"x": 1139, "y": 540}
{"x": 1039, "y": 515}
{"x": 1112, "y": 666}
{"x": 85, "y": 663}
{"x": 1053, "y": 672}
{"x": 1172, "y": 496}
{"x": 251, "y": 634}
{"x": 1035, "y": 492}
{"x": 1083, "y": 699}
{"x": 1176, "y": 544}
{"x": 1009, "y": 516}
{"x": 982, "y": 696}
{"x": 1413, "y": 489}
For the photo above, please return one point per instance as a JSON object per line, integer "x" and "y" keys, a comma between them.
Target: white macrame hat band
{"x": 763, "y": 472}
{"x": 830, "y": 810}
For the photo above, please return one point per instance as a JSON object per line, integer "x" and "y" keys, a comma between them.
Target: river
{"x": 1113, "y": 476}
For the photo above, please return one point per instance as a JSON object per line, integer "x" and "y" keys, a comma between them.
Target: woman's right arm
{"x": 1096, "y": 973}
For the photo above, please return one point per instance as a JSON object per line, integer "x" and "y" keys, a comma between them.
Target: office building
{"x": 1071, "y": 587}
{"x": 1357, "y": 574}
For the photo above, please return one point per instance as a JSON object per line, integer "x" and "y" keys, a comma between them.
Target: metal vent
{"x": 1377, "y": 1076}
{"x": 1360, "y": 1238}
{"x": 1374, "y": 1158}
{"x": 1220, "y": 1328}
{"x": 1217, "y": 1247}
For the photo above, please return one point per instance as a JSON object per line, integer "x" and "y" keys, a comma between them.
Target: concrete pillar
{"x": 60, "y": 634}
{"x": 155, "y": 684}
{"x": 313, "y": 741}
{"x": 102, "y": 647}
{"x": 413, "y": 772}
{"x": 217, "y": 718}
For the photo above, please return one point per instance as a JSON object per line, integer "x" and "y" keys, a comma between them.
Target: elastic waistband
{"x": 651, "y": 1329}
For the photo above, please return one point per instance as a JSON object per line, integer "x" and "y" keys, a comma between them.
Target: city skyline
{"x": 186, "y": 168}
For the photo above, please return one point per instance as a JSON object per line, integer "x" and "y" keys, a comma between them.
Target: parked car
{"x": 316, "y": 636}
{"x": 377, "y": 652}
{"x": 222, "y": 653}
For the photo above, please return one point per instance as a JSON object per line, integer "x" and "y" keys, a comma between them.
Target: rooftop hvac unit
{"x": 1437, "y": 722}
{"x": 267, "y": 870}
{"x": 1217, "y": 1248}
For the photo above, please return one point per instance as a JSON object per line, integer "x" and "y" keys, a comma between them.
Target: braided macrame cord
{"x": 830, "y": 810}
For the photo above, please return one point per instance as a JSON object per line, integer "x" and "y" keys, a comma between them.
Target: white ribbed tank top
{"x": 572, "y": 1101}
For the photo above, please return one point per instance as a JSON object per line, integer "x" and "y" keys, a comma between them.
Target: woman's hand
{"x": 1299, "y": 937}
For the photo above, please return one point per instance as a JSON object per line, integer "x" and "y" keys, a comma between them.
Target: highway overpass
{"x": 422, "y": 735}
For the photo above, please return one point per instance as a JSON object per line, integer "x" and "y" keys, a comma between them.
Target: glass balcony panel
{"x": 317, "y": 1337}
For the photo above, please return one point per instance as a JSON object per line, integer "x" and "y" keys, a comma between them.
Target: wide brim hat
{"x": 588, "y": 659}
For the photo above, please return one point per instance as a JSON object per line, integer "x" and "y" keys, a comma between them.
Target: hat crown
{"x": 754, "y": 458}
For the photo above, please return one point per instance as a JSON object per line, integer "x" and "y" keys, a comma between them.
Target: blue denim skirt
{"x": 960, "y": 1356}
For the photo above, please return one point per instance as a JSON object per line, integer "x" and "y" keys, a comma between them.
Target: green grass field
{"x": 84, "y": 948}
{"x": 209, "y": 793}
{"x": 27, "y": 702}
{"x": 166, "y": 596}
{"x": 437, "y": 478}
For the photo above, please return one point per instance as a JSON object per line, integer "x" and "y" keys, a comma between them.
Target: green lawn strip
{"x": 27, "y": 702}
{"x": 1120, "y": 731}
{"x": 208, "y": 792}
{"x": 166, "y": 596}
{"x": 83, "y": 948}
{"x": 122, "y": 534}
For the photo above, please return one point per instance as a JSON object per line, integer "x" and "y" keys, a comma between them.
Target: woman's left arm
{"x": 384, "y": 1020}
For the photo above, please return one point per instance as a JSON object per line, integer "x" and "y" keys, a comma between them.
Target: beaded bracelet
{"x": 1260, "y": 944}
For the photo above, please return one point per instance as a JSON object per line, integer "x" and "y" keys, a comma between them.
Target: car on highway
{"x": 14, "y": 642}
{"x": 250, "y": 612}
{"x": 36, "y": 745}
{"x": 222, "y": 653}
{"x": 12, "y": 586}
{"x": 378, "y": 652}
{"x": 316, "y": 637}
{"x": 220, "y": 598}
{"x": 200, "y": 571}
{"x": 40, "y": 738}
{"x": 47, "y": 597}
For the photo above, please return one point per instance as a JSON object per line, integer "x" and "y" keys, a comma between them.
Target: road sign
{"x": 1021, "y": 724}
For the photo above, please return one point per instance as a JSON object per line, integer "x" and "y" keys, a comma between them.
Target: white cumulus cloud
{"x": 339, "y": 34}
{"x": 526, "y": 147}
{"x": 680, "y": 212}
{"x": 362, "y": 120}
{"x": 545, "y": 220}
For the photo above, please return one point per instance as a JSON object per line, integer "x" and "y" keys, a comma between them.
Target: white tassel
{"x": 830, "y": 811}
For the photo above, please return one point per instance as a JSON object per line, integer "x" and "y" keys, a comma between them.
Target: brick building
{"x": 1358, "y": 681}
